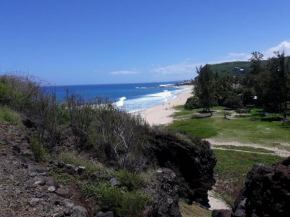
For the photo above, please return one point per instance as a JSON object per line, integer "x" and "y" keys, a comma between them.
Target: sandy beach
{"x": 162, "y": 114}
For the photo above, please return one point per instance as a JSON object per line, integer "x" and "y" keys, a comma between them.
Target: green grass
{"x": 9, "y": 116}
{"x": 251, "y": 129}
{"x": 245, "y": 148}
{"x": 91, "y": 167}
{"x": 232, "y": 168}
{"x": 204, "y": 128}
{"x": 193, "y": 210}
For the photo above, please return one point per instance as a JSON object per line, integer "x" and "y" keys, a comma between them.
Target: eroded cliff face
{"x": 266, "y": 192}
{"x": 191, "y": 159}
{"x": 183, "y": 166}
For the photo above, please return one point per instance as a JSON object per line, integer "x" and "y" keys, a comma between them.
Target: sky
{"x": 71, "y": 42}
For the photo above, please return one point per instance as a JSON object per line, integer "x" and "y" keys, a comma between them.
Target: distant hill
{"x": 234, "y": 68}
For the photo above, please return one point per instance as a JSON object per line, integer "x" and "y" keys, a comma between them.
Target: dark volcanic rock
{"x": 266, "y": 192}
{"x": 221, "y": 213}
{"x": 192, "y": 161}
{"x": 105, "y": 214}
{"x": 165, "y": 195}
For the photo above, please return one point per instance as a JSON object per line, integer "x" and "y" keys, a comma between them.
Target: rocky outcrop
{"x": 164, "y": 195}
{"x": 191, "y": 160}
{"x": 26, "y": 187}
{"x": 266, "y": 192}
{"x": 221, "y": 213}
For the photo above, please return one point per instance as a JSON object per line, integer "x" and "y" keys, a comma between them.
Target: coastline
{"x": 161, "y": 114}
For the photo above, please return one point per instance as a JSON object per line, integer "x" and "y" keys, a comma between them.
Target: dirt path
{"x": 279, "y": 152}
{"x": 216, "y": 203}
{"x": 253, "y": 152}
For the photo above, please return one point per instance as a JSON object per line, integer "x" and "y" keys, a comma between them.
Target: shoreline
{"x": 161, "y": 114}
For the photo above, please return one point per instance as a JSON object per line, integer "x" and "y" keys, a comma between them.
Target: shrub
{"x": 38, "y": 150}
{"x": 9, "y": 116}
{"x": 60, "y": 176}
{"x": 129, "y": 180}
{"x": 124, "y": 204}
{"x": 192, "y": 103}
{"x": 132, "y": 204}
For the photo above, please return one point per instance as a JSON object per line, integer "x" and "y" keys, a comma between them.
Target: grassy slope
{"x": 232, "y": 168}
{"x": 251, "y": 129}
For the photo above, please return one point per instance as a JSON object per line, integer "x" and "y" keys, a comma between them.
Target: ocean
{"x": 131, "y": 97}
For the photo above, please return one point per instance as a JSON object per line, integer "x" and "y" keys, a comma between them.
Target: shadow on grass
{"x": 200, "y": 117}
{"x": 271, "y": 119}
{"x": 286, "y": 125}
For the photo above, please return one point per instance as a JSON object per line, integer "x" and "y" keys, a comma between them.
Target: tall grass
{"x": 9, "y": 116}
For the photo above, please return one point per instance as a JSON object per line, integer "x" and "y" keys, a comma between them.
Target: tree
{"x": 205, "y": 89}
{"x": 276, "y": 84}
{"x": 254, "y": 79}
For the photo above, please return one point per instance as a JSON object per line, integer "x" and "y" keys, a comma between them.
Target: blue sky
{"x": 124, "y": 41}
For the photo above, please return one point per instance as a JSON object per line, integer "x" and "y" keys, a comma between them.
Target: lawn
{"x": 254, "y": 128}
{"x": 232, "y": 168}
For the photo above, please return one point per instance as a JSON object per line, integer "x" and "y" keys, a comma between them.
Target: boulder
{"x": 266, "y": 192}
{"x": 115, "y": 183}
{"x": 221, "y": 213}
{"x": 191, "y": 160}
{"x": 79, "y": 211}
{"x": 105, "y": 214}
{"x": 81, "y": 170}
{"x": 165, "y": 195}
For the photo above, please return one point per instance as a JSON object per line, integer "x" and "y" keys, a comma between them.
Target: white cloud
{"x": 180, "y": 68}
{"x": 283, "y": 46}
{"x": 189, "y": 67}
{"x": 239, "y": 56}
{"x": 124, "y": 72}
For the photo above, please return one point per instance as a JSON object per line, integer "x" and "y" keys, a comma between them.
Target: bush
{"x": 38, "y": 150}
{"x": 192, "y": 103}
{"x": 132, "y": 204}
{"x": 129, "y": 180}
{"x": 124, "y": 204}
{"x": 9, "y": 116}
{"x": 61, "y": 177}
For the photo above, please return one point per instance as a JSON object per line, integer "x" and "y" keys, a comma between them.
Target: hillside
{"x": 234, "y": 68}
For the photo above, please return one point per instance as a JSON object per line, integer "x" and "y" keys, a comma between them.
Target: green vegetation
{"x": 254, "y": 128}
{"x": 91, "y": 166}
{"x": 193, "y": 210}
{"x": 38, "y": 150}
{"x": 245, "y": 148}
{"x": 234, "y": 68}
{"x": 61, "y": 177}
{"x": 231, "y": 68}
{"x": 9, "y": 116}
{"x": 125, "y": 201}
{"x": 232, "y": 168}
{"x": 122, "y": 202}
{"x": 204, "y": 127}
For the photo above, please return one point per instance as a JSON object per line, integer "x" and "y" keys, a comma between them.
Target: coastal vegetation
{"x": 110, "y": 160}
{"x": 242, "y": 111}
{"x": 265, "y": 86}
